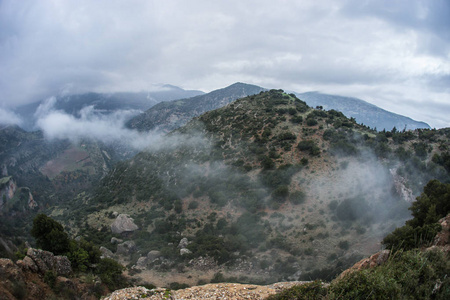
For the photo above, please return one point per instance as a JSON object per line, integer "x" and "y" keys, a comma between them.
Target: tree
{"x": 50, "y": 235}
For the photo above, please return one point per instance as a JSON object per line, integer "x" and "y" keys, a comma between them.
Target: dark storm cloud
{"x": 367, "y": 49}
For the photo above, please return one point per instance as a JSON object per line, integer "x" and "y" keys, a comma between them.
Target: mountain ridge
{"x": 363, "y": 111}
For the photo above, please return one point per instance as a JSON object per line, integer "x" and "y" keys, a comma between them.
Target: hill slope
{"x": 267, "y": 188}
{"x": 364, "y": 113}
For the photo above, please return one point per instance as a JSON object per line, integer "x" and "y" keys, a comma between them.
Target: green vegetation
{"x": 409, "y": 273}
{"x": 83, "y": 255}
{"x": 430, "y": 206}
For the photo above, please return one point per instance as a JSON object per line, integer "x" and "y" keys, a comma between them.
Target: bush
{"x": 309, "y": 146}
{"x": 297, "y": 197}
{"x": 429, "y": 207}
{"x": 50, "y": 235}
{"x": 312, "y": 290}
{"x": 110, "y": 272}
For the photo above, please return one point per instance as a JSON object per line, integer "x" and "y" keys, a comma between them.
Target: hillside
{"x": 173, "y": 114}
{"x": 363, "y": 112}
{"x": 264, "y": 189}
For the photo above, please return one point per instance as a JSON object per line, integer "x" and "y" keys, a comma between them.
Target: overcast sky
{"x": 394, "y": 54}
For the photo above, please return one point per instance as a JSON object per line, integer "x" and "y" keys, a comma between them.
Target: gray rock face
{"x": 44, "y": 261}
{"x": 127, "y": 247}
{"x": 123, "y": 223}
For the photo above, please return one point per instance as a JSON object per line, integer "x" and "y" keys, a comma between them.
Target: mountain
{"x": 107, "y": 103}
{"x": 169, "y": 115}
{"x": 363, "y": 112}
{"x": 263, "y": 189}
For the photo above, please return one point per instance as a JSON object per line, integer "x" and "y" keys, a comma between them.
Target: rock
{"x": 62, "y": 265}
{"x": 185, "y": 251}
{"x": 377, "y": 259}
{"x": 183, "y": 243}
{"x": 123, "y": 223}
{"x": 10, "y": 270}
{"x": 127, "y": 247}
{"x": 154, "y": 254}
{"x": 46, "y": 261}
{"x": 203, "y": 263}
{"x": 115, "y": 240}
{"x": 28, "y": 264}
{"x": 141, "y": 263}
{"x": 106, "y": 253}
{"x": 115, "y": 214}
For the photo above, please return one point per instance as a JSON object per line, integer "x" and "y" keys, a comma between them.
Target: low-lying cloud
{"x": 8, "y": 117}
{"x": 92, "y": 124}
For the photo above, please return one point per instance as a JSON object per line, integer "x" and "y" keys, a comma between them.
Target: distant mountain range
{"x": 169, "y": 115}
{"x": 363, "y": 112}
{"x": 107, "y": 103}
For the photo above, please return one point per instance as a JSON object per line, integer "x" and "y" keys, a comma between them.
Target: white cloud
{"x": 8, "y": 117}
{"x": 107, "y": 46}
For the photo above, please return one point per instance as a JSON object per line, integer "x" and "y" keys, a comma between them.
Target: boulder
{"x": 115, "y": 240}
{"x": 154, "y": 254}
{"x": 183, "y": 243}
{"x": 106, "y": 253}
{"x": 184, "y": 251}
{"x": 141, "y": 263}
{"x": 123, "y": 223}
{"x": 27, "y": 264}
{"x": 46, "y": 261}
{"x": 126, "y": 248}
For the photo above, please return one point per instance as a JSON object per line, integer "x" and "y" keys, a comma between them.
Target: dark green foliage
{"x": 110, "y": 272}
{"x": 297, "y": 197}
{"x": 409, "y": 275}
{"x": 311, "y": 122}
{"x": 309, "y": 146}
{"x": 50, "y": 235}
{"x": 280, "y": 193}
{"x": 429, "y": 207}
{"x": 308, "y": 291}
{"x": 442, "y": 160}
{"x": 344, "y": 245}
{"x": 50, "y": 278}
{"x": 297, "y": 119}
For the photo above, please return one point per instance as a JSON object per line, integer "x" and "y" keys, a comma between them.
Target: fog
{"x": 92, "y": 124}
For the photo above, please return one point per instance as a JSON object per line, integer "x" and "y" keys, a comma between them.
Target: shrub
{"x": 50, "y": 235}
{"x": 297, "y": 197}
{"x": 309, "y": 146}
{"x": 312, "y": 290}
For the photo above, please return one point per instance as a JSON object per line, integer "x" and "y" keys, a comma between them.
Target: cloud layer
{"x": 395, "y": 54}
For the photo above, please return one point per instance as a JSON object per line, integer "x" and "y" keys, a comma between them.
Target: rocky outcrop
{"x": 8, "y": 188}
{"x": 377, "y": 259}
{"x": 126, "y": 248}
{"x": 106, "y": 253}
{"x": 442, "y": 239}
{"x": 401, "y": 187}
{"x": 41, "y": 261}
{"x": 123, "y": 223}
{"x": 24, "y": 279}
{"x": 234, "y": 291}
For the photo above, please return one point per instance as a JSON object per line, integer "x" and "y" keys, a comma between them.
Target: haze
{"x": 394, "y": 54}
